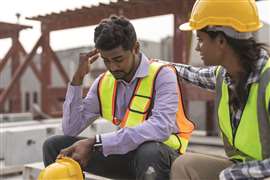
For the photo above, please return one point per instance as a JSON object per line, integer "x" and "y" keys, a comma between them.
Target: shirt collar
{"x": 142, "y": 70}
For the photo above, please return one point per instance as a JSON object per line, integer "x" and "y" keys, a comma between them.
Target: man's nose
{"x": 113, "y": 67}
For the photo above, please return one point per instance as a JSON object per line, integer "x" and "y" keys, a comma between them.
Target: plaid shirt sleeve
{"x": 248, "y": 170}
{"x": 203, "y": 77}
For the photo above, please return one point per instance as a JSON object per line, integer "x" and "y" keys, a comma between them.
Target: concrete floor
{"x": 12, "y": 177}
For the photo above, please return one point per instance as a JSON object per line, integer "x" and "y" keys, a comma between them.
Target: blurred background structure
{"x": 36, "y": 81}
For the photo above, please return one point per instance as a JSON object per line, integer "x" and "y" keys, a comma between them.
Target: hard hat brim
{"x": 185, "y": 27}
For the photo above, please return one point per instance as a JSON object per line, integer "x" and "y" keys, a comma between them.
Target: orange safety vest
{"x": 140, "y": 105}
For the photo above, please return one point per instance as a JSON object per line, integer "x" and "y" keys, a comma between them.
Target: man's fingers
{"x": 77, "y": 158}
{"x": 94, "y": 58}
{"x": 89, "y": 54}
{"x": 67, "y": 151}
{"x": 59, "y": 156}
{"x": 92, "y": 52}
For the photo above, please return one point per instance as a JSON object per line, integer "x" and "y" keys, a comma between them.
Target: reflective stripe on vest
{"x": 140, "y": 105}
{"x": 263, "y": 115}
{"x": 252, "y": 138}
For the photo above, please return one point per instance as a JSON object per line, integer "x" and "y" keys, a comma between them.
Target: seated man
{"x": 140, "y": 96}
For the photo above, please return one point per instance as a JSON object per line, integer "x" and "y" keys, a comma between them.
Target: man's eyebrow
{"x": 113, "y": 57}
{"x": 117, "y": 57}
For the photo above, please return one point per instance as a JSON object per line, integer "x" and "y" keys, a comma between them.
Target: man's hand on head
{"x": 85, "y": 61}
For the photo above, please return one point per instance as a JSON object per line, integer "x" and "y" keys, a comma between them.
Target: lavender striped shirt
{"x": 79, "y": 113}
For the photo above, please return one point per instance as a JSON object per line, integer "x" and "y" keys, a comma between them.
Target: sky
{"x": 73, "y": 37}
{"x": 152, "y": 29}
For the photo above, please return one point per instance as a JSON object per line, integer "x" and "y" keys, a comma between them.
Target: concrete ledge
{"x": 5, "y": 170}
{"x": 31, "y": 172}
{"x": 205, "y": 140}
{"x": 211, "y": 145}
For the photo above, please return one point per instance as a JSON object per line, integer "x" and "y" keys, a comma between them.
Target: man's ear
{"x": 136, "y": 48}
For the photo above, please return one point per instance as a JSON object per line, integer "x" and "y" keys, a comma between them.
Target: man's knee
{"x": 50, "y": 150}
{"x": 48, "y": 142}
{"x": 149, "y": 152}
{"x": 51, "y": 142}
{"x": 153, "y": 156}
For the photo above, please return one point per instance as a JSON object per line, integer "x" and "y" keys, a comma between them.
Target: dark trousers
{"x": 151, "y": 160}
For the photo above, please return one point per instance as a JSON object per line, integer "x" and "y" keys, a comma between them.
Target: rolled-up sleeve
{"x": 203, "y": 77}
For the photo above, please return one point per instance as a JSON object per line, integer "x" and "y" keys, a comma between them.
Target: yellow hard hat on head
{"x": 63, "y": 169}
{"x": 241, "y": 15}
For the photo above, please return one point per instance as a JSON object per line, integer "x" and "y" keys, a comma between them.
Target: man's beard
{"x": 119, "y": 74}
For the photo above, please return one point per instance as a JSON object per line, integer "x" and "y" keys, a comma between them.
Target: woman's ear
{"x": 221, "y": 39}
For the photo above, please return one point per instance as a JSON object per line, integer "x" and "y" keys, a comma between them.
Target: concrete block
{"x": 15, "y": 117}
{"x": 24, "y": 144}
{"x": 52, "y": 127}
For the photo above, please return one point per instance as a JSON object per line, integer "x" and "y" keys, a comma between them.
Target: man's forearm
{"x": 77, "y": 80}
{"x": 71, "y": 111}
{"x": 78, "y": 113}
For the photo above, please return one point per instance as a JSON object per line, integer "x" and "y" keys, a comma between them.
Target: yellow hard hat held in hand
{"x": 241, "y": 15}
{"x": 64, "y": 168}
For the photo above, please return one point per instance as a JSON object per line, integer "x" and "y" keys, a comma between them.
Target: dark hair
{"x": 248, "y": 50}
{"x": 114, "y": 32}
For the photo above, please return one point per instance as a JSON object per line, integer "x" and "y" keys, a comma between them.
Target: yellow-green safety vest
{"x": 251, "y": 140}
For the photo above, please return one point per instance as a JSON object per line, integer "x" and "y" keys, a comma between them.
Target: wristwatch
{"x": 97, "y": 147}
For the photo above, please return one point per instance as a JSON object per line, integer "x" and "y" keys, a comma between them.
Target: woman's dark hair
{"x": 114, "y": 32}
{"x": 248, "y": 50}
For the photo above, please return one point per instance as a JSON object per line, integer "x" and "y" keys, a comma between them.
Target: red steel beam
{"x": 91, "y": 16}
{"x": 32, "y": 65}
{"x": 6, "y": 58}
{"x": 46, "y": 72}
{"x": 21, "y": 49}
{"x": 20, "y": 70}
{"x": 59, "y": 66}
{"x": 15, "y": 99}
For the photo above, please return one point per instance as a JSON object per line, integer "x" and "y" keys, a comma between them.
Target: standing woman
{"x": 239, "y": 72}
